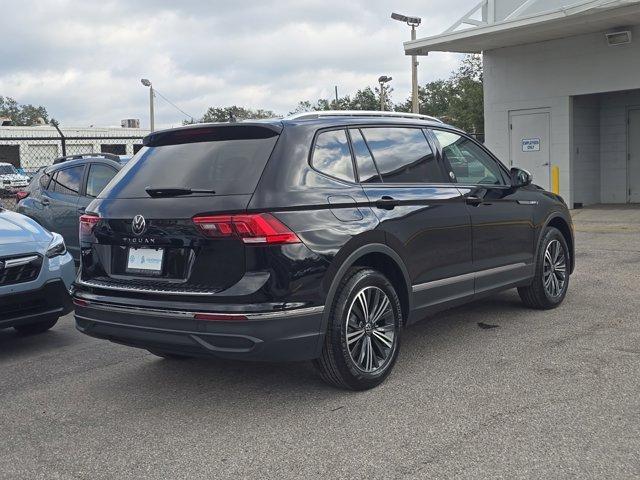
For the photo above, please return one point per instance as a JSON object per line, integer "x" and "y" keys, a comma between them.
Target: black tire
{"x": 168, "y": 355}
{"x": 336, "y": 364}
{"x": 38, "y": 327}
{"x": 537, "y": 295}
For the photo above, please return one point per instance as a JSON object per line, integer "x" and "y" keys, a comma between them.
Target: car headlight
{"x": 56, "y": 247}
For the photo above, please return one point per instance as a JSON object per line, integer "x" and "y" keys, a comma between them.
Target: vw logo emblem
{"x": 138, "y": 225}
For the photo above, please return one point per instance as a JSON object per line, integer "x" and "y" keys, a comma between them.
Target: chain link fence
{"x": 26, "y": 150}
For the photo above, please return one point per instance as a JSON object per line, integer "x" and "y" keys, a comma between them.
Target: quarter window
{"x": 469, "y": 163}
{"x": 402, "y": 155}
{"x": 367, "y": 171}
{"x": 44, "y": 180}
{"x": 99, "y": 176}
{"x": 332, "y": 156}
{"x": 67, "y": 181}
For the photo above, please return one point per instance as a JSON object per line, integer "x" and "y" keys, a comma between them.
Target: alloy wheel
{"x": 371, "y": 330}
{"x": 555, "y": 269}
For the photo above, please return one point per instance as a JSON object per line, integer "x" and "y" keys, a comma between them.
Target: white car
{"x": 10, "y": 179}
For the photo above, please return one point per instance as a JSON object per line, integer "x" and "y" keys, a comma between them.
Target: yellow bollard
{"x": 555, "y": 179}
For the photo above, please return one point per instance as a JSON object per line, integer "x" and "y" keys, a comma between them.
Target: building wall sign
{"x": 530, "y": 144}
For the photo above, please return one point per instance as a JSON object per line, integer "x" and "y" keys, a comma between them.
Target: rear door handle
{"x": 387, "y": 202}
{"x": 473, "y": 201}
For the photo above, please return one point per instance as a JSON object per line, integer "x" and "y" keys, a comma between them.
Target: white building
{"x": 559, "y": 91}
{"x": 33, "y": 147}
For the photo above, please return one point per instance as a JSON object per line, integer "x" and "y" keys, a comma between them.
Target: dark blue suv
{"x": 59, "y": 194}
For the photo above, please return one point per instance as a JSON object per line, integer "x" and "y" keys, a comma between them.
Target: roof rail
{"x": 109, "y": 156}
{"x": 360, "y": 113}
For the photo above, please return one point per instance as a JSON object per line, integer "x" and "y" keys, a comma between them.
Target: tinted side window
{"x": 469, "y": 163}
{"x": 331, "y": 155}
{"x": 115, "y": 148}
{"x": 402, "y": 155}
{"x": 367, "y": 171}
{"x": 44, "y": 180}
{"x": 99, "y": 176}
{"x": 67, "y": 181}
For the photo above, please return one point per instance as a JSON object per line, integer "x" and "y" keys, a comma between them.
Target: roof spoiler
{"x": 211, "y": 132}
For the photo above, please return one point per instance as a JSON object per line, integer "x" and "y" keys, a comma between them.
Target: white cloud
{"x": 84, "y": 60}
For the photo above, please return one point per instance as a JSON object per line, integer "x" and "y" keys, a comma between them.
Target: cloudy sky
{"x": 83, "y": 60}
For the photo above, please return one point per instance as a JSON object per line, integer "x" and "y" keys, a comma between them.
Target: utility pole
{"x": 151, "y": 112}
{"x": 147, "y": 83}
{"x": 414, "y": 76}
{"x": 413, "y": 22}
{"x": 382, "y": 80}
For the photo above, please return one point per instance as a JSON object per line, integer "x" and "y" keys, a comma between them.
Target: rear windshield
{"x": 228, "y": 167}
{"x": 7, "y": 170}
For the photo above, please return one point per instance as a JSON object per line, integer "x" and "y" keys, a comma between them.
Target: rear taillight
{"x": 262, "y": 228}
{"x": 21, "y": 195}
{"x": 87, "y": 222}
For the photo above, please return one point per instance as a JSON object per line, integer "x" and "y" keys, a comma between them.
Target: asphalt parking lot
{"x": 533, "y": 394}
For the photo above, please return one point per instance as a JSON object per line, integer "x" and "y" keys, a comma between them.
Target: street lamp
{"x": 413, "y": 22}
{"x": 382, "y": 80}
{"x": 147, "y": 83}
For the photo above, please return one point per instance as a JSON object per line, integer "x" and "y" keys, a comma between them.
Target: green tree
{"x": 434, "y": 98}
{"x": 234, "y": 113}
{"x": 364, "y": 99}
{"x": 466, "y": 108}
{"x": 22, "y": 115}
{"x": 457, "y": 100}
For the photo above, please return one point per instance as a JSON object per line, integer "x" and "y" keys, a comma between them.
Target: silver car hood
{"x": 20, "y": 234}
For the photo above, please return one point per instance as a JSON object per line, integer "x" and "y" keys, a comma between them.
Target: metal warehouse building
{"x": 561, "y": 89}
{"x": 32, "y": 147}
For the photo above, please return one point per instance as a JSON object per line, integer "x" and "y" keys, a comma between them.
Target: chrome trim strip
{"x": 191, "y": 314}
{"x": 528, "y": 202}
{"x": 16, "y": 262}
{"x": 89, "y": 283}
{"x": 466, "y": 276}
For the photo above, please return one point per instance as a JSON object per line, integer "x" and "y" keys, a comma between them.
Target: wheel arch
{"x": 559, "y": 222}
{"x": 379, "y": 257}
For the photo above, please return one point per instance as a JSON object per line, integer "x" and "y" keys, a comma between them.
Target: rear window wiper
{"x": 173, "y": 191}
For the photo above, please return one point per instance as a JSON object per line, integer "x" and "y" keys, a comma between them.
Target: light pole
{"x": 382, "y": 80}
{"x": 413, "y": 22}
{"x": 147, "y": 83}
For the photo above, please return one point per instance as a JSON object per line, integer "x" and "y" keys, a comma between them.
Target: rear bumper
{"x": 286, "y": 335}
{"x": 50, "y": 300}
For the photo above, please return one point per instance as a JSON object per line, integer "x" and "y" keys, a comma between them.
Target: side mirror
{"x": 520, "y": 177}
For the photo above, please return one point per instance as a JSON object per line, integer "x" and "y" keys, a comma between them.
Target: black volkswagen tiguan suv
{"x": 317, "y": 237}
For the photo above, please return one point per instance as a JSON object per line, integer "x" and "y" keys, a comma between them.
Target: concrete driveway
{"x": 541, "y": 395}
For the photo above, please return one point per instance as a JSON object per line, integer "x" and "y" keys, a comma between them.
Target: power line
{"x": 173, "y": 104}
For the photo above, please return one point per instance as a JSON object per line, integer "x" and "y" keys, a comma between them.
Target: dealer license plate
{"x": 145, "y": 259}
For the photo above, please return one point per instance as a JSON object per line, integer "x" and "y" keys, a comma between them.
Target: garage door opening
{"x": 605, "y": 155}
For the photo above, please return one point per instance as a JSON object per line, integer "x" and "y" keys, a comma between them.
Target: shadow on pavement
{"x": 191, "y": 381}
{"x": 14, "y": 345}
